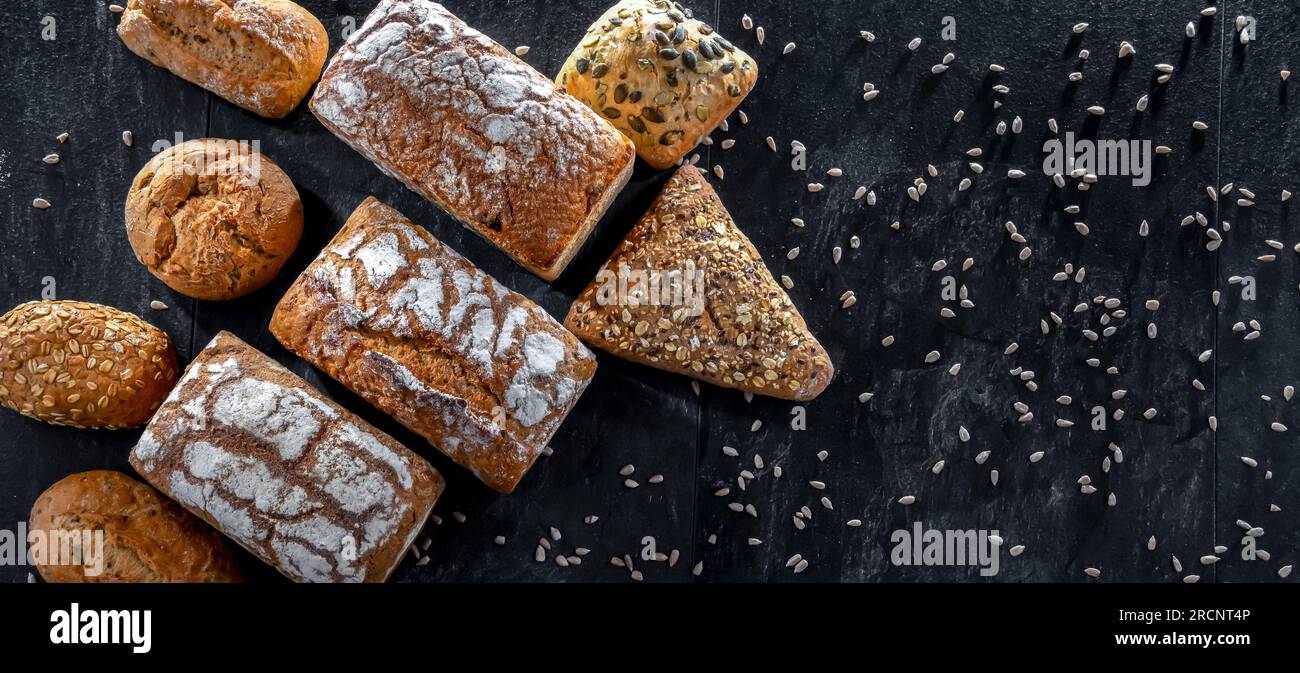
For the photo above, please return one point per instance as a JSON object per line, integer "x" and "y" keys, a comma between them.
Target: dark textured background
{"x": 1179, "y": 482}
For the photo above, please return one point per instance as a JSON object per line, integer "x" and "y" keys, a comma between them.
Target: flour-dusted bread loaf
{"x": 146, "y": 537}
{"x": 460, "y": 120}
{"x": 480, "y": 371}
{"x": 687, "y": 292}
{"x": 262, "y": 55}
{"x": 213, "y": 219}
{"x": 84, "y": 365}
{"x": 659, "y": 75}
{"x": 299, "y": 481}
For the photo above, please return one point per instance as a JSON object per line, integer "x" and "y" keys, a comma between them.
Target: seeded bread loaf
{"x": 688, "y": 292}
{"x": 480, "y": 371}
{"x": 84, "y": 365}
{"x": 461, "y": 121}
{"x": 299, "y": 481}
{"x": 145, "y": 537}
{"x": 660, "y": 76}
{"x": 262, "y": 55}
{"x": 213, "y": 219}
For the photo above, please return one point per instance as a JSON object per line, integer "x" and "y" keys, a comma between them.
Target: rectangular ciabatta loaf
{"x": 480, "y": 371}
{"x": 299, "y": 481}
{"x": 466, "y": 124}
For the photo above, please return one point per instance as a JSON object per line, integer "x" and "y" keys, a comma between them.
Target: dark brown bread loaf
{"x": 480, "y": 371}
{"x": 146, "y": 537}
{"x": 296, "y": 479}
{"x": 467, "y": 125}
{"x": 262, "y": 55}
{"x": 84, "y": 365}
{"x": 727, "y": 322}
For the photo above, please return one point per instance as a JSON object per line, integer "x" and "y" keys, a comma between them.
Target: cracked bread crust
{"x": 262, "y": 55}
{"x": 739, "y": 329}
{"x": 460, "y": 120}
{"x": 480, "y": 371}
{"x": 147, "y": 538}
{"x": 213, "y": 219}
{"x": 297, "y": 480}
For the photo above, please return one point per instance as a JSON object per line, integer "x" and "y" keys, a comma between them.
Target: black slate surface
{"x": 1178, "y": 481}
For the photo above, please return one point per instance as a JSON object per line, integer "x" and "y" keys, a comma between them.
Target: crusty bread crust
{"x": 480, "y": 371}
{"x": 294, "y": 478}
{"x": 735, "y": 327}
{"x": 262, "y": 55}
{"x": 84, "y": 365}
{"x": 213, "y": 219}
{"x": 464, "y": 123}
{"x": 147, "y": 538}
{"x": 663, "y": 78}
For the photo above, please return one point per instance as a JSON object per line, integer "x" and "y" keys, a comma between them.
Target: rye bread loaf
{"x": 146, "y": 537}
{"x": 84, "y": 365}
{"x": 212, "y": 218}
{"x": 686, "y": 291}
{"x": 262, "y": 55}
{"x": 659, "y": 75}
{"x": 294, "y": 478}
{"x": 470, "y": 127}
{"x": 480, "y": 371}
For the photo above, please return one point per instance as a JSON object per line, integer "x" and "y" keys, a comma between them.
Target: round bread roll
{"x": 212, "y": 218}
{"x": 84, "y": 365}
{"x": 146, "y": 537}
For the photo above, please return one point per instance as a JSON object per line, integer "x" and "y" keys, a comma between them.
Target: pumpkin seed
{"x": 599, "y": 70}
{"x": 702, "y": 112}
{"x": 611, "y": 112}
{"x": 688, "y": 59}
{"x": 636, "y": 124}
{"x": 652, "y": 114}
{"x": 661, "y": 38}
{"x": 620, "y": 93}
{"x": 668, "y": 53}
{"x": 582, "y": 64}
{"x": 670, "y": 137}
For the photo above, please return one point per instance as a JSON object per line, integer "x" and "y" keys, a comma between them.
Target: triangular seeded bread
{"x": 688, "y": 292}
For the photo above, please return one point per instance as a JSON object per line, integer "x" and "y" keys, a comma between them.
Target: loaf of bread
{"x": 126, "y": 532}
{"x": 687, "y": 292}
{"x": 84, "y": 365}
{"x": 659, "y": 75}
{"x": 484, "y": 374}
{"x": 213, "y": 219}
{"x": 460, "y": 120}
{"x": 262, "y": 55}
{"x": 299, "y": 481}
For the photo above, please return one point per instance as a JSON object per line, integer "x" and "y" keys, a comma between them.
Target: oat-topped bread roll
{"x": 659, "y": 75}
{"x": 213, "y": 219}
{"x": 262, "y": 55}
{"x": 480, "y": 371}
{"x": 460, "y": 120}
{"x": 84, "y": 365}
{"x": 299, "y": 481}
{"x": 146, "y": 537}
{"x": 687, "y": 292}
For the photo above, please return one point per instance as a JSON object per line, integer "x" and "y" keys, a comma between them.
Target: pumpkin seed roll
{"x": 663, "y": 78}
